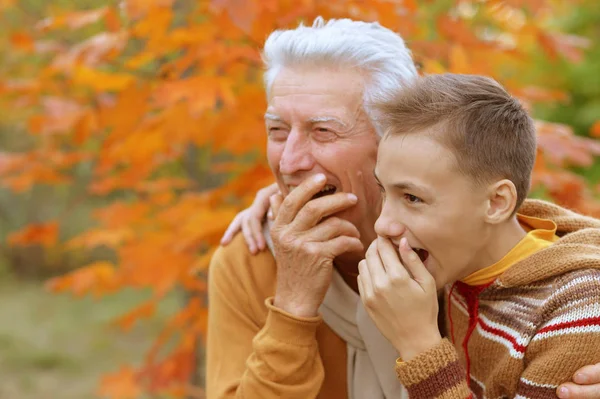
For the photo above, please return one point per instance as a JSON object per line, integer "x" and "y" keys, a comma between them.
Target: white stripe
{"x": 573, "y": 283}
{"x": 575, "y": 314}
{"x": 480, "y": 385}
{"x": 501, "y": 340}
{"x": 462, "y": 307}
{"x": 565, "y": 331}
{"x": 526, "y": 381}
{"x": 521, "y": 339}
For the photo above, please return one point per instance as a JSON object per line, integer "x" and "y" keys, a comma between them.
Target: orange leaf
{"x": 22, "y": 41}
{"x": 45, "y": 234}
{"x": 143, "y": 311}
{"x": 123, "y": 384}
{"x": 111, "y": 19}
{"x": 97, "y": 278}
{"x": 242, "y": 12}
{"x": 459, "y": 61}
{"x": 595, "y": 129}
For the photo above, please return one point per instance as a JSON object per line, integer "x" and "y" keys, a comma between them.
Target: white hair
{"x": 375, "y": 50}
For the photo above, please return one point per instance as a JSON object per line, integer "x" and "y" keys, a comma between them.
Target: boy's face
{"x": 428, "y": 201}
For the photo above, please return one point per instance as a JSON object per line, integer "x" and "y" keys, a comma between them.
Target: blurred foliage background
{"x": 131, "y": 132}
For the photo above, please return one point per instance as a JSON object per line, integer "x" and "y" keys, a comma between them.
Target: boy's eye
{"x": 412, "y": 198}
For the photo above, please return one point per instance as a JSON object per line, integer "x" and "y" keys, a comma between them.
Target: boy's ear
{"x": 502, "y": 200}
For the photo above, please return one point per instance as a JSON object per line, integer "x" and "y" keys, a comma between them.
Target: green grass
{"x": 57, "y": 346}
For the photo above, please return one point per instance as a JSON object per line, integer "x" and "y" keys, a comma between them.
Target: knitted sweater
{"x": 528, "y": 331}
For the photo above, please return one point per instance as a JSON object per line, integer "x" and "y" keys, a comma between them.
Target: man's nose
{"x": 297, "y": 154}
{"x": 387, "y": 224}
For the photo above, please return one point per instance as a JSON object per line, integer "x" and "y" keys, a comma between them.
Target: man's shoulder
{"x": 236, "y": 264}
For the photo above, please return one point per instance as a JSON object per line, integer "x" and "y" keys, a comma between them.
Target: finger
{"x": 332, "y": 227}
{"x": 365, "y": 285}
{"x": 276, "y": 200}
{"x": 247, "y": 231}
{"x": 317, "y": 209}
{"x": 295, "y": 200}
{"x": 261, "y": 203}
{"x": 375, "y": 266}
{"x": 413, "y": 264}
{"x": 587, "y": 375}
{"x": 232, "y": 229}
{"x": 342, "y": 244}
{"x": 390, "y": 259}
{"x": 573, "y": 391}
{"x": 255, "y": 226}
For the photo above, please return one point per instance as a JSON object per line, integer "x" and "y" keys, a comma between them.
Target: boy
{"x": 522, "y": 289}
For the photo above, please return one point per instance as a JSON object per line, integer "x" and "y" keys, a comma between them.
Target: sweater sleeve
{"x": 436, "y": 373}
{"x": 245, "y": 359}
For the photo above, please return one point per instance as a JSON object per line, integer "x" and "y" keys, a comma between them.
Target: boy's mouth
{"x": 422, "y": 253}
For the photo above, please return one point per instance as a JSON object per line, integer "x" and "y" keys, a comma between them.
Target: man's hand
{"x": 585, "y": 385}
{"x": 400, "y": 296}
{"x": 306, "y": 239}
{"x": 250, "y": 221}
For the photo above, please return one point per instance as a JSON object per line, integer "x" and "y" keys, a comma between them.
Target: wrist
{"x": 410, "y": 348}
{"x": 294, "y": 308}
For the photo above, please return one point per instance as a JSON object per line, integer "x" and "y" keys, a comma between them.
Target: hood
{"x": 578, "y": 246}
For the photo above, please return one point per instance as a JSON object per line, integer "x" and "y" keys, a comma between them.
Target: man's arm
{"x": 585, "y": 384}
{"x": 248, "y": 360}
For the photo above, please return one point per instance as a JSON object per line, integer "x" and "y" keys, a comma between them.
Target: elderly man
{"x": 288, "y": 323}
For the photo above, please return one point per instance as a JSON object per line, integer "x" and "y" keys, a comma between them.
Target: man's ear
{"x": 501, "y": 202}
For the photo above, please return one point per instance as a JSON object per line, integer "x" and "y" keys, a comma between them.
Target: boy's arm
{"x": 567, "y": 341}
{"x": 248, "y": 360}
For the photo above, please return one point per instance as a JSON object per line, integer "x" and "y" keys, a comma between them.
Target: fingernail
{"x": 319, "y": 177}
{"x": 563, "y": 392}
{"x": 270, "y": 214}
{"x": 404, "y": 242}
{"x": 352, "y": 197}
{"x": 581, "y": 378}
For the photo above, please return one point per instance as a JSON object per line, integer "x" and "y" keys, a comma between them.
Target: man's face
{"x": 427, "y": 200}
{"x": 316, "y": 124}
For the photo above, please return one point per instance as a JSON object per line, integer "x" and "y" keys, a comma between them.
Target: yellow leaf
{"x": 101, "y": 81}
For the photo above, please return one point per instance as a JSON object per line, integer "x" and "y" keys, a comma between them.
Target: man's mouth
{"x": 329, "y": 189}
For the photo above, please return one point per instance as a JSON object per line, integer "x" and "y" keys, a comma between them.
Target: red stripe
{"x": 518, "y": 347}
{"x": 590, "y": 321}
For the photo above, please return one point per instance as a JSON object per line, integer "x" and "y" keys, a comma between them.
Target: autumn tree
{"x": 158, "y": 107}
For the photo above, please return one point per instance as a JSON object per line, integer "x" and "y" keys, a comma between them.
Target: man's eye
{"x": 412, "y": 198}
{"x": 277, "y": 133}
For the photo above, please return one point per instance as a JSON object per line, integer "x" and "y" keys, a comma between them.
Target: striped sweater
{"x": 528, "y": 331}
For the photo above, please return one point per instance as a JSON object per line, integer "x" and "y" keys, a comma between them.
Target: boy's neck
{"x": 502, "y": 241}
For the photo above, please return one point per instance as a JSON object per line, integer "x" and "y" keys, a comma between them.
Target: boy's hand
{"x": 250, "y": 221}
{"x": 400, "y": 296}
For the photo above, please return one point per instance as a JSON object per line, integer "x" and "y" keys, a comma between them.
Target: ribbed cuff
{"x": 290, "y": 329}
{"x": 424, "y": 365}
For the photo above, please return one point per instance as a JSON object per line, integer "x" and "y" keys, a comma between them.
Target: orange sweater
{"x": 257, "y": 351}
